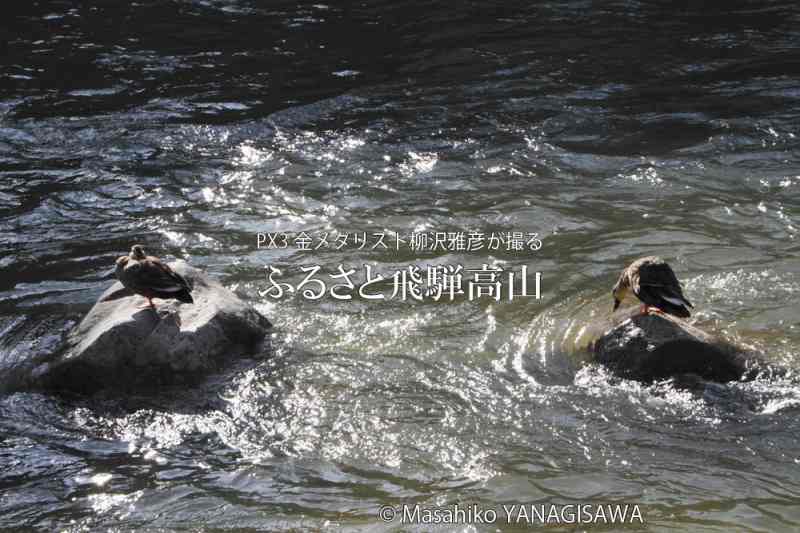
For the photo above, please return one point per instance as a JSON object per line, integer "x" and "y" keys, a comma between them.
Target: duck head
{"x": 137, "y": 252}
{"x": 620, "y": 289}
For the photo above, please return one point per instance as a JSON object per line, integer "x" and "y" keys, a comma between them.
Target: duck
{"x": 146, "y": 275}
{"x": 655, "y": 284}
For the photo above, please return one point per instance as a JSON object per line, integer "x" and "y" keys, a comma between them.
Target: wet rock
{"x": 121, "y": 345}
{"x": 657, "y": 346}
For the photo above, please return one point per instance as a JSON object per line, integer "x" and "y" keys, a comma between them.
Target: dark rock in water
{"x": 120, "y": 345}
{"x": 658, "y": 346}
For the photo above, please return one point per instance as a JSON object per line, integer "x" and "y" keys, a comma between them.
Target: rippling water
{"x": 614, "y": 132}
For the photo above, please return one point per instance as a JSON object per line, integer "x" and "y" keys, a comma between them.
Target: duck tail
{"x": 681, "y": 312}
{"x": 184, "y": 296}
{"x": 676, "y": 305}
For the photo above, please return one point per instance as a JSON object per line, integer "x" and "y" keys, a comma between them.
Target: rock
{"x": 118, "y": 344}
{"x": 657, "y": 346}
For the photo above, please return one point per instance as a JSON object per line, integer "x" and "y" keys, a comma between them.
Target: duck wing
{"x": 161, "y": 272}
{"x": 152, "y": 276}
{"x": 656, "y": 297}
{"x": 656, "y": 284}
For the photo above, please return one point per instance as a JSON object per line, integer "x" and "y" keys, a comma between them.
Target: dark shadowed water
{"x": 612, "y": 129}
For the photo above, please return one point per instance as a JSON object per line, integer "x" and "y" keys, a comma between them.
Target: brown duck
{"x": 147, "y": 275}
{"x": 652, "y": 281}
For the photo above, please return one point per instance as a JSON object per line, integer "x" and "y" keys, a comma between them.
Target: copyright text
{"x": 532, "y": 514}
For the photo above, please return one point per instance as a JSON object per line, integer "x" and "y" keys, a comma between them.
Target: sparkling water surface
{"x": 614, "y": 130}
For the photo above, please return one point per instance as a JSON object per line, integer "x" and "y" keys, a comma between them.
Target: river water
{"x": 612, "y": 130}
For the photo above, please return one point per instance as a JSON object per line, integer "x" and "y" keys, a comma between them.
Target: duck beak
{"x": 616, "y": 304}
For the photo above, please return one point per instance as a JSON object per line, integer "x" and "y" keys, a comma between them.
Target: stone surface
{"x": 658, "y": 346}
{"x": 120, "y": 344}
